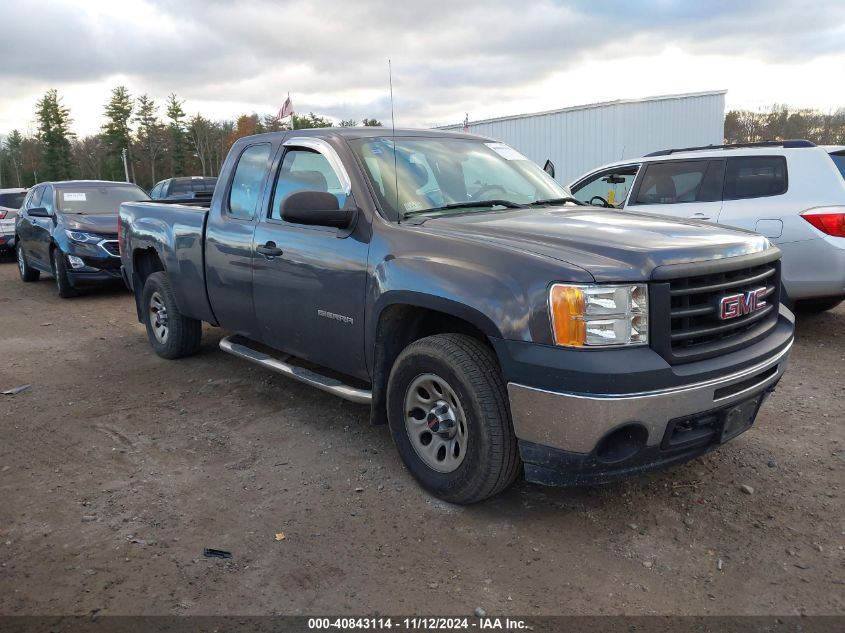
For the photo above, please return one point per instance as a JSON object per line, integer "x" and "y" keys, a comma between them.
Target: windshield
{"x": 94, "y": 200}
{"x": 432, "y": 174}
{"x": 12, "y": 200}
{"x": 839, "y": 161}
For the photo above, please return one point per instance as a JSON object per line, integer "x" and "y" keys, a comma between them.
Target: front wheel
{"x": 449, "y": 417}
{"x": 171, "y": 334}
{"x": 63, "y": 286}
{"x": 27, "y": 273}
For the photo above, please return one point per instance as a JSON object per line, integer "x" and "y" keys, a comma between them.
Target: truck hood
{"x": 90, "y": 223}
{"x": 610, "y": 245}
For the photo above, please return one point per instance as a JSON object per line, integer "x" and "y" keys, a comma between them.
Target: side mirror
{"x": 316, "y": 208}
{"x": 549, "y": 168}
{"x": 38, "y": 212}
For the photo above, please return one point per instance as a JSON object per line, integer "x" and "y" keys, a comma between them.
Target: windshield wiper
{"x": 563, "y": 200}
{"x": 485, "y": 204}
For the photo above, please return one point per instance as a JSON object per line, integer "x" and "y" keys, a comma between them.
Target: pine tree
{"x": 150, "y": 134}
{"x": 310, "y": 120}
{"x": 14, "y": 150}
{"x": 54, "y": 134}
{"x": 177, "y": 135}
{"x": 116, "y": 132}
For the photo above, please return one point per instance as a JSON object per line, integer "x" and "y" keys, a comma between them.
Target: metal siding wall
{"x": 579, "y": 140}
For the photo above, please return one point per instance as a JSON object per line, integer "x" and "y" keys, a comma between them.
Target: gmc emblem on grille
{"x": 737, "y": 305}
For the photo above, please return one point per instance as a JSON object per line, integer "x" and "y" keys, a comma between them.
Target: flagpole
{"x": 292, "y": 120}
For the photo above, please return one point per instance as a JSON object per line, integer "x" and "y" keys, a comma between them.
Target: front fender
{"x": 492, "y": 301}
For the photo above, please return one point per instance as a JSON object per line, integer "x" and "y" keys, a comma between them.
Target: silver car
{"x": 10, "y": 201}
{"x": 792, "y": 192}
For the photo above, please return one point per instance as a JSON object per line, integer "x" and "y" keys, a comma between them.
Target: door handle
{"x": 270, "y": 250}
{"x": 700, "y": 216}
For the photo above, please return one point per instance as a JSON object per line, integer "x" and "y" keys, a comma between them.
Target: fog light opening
{"x": 622, "y": 444}
{"x": 75, "y": 262}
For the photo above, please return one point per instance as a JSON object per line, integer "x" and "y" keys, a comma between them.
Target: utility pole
{"x": 125, "y": 165}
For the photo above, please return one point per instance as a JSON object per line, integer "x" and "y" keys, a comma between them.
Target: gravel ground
{"x": 117, "y": 468}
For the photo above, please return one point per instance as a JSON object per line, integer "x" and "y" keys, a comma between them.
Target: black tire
{"x": 26, "y": 272}
{"x": 181, "y": 335}
{"x": 63, "y": 286}
{"x": 816, "y": 306}
{"x": 470, "y": 369}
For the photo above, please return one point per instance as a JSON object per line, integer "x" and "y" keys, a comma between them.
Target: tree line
{"x": 174, "y": 144}
{"x": 780, "y": 122}
{"x": 159, "y": 140}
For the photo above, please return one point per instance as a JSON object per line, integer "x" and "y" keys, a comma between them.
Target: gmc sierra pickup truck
{"x": 492, "y": 322}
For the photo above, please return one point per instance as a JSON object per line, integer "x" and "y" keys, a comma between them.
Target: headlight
{"x": 599, "y": 316}
{"x": 84, "y": 238}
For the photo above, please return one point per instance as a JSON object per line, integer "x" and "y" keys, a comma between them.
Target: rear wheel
{"x": 814, "y": 306}
{"x": 26, "y": 272}
{"x": 171, "y": 334}
{"x": 60, "y": 275}
{"x": 449, "y": 417}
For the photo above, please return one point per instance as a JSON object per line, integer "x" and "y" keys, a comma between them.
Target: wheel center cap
{"x": 441, "y": 420}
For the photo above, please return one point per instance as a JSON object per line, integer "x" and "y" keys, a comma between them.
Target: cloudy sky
{"x": 486, "y": 59}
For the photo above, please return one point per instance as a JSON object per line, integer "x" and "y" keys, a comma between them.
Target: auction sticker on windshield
{"x": 505, "y": 151}
{"x": 74, "y": 196}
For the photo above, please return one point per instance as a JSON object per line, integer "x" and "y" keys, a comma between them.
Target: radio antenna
{"x": 393, "y": 132}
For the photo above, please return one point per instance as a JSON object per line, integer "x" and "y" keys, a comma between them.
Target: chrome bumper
{"x": 575, "y": 422}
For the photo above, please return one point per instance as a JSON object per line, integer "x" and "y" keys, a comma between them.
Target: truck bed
{"x": 174, "y": 231}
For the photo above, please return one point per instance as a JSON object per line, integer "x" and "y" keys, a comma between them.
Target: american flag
{"x": 286, "y": 109}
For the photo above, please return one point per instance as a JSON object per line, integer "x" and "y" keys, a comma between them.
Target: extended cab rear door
{"x": 228, "y": 239}
{"x": 309, "y": 282}
{"x": 680, "y": 188}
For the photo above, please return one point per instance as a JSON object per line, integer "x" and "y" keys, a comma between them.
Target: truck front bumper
{"x": 572, "y": 437}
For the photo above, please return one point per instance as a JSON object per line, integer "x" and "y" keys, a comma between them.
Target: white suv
{"x": 793, "y": 192}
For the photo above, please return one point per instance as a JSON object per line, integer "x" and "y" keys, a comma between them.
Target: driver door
{"x": 309, "y": 282}
{"x": 608, "y": 185}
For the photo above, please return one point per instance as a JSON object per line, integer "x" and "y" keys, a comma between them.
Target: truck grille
{"x": 695, "y": 329}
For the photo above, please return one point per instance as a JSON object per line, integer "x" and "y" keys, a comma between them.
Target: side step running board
{"x": 232, "y": 345}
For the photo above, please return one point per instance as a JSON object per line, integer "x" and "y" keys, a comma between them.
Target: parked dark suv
{"x": 188, "y": 187}
{"x": 69, "y": 230}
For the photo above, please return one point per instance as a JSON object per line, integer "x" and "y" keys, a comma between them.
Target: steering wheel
{"x": 604, "y": 202}
{"x": 487, "y": 188}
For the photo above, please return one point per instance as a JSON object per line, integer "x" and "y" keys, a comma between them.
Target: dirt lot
{"x": 117, "y": 468}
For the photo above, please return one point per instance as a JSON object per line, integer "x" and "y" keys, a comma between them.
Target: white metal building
{"x": 579, "y": 138}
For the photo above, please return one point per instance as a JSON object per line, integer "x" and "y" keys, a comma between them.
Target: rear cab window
{"x": 180, "y": 189}
{"x": 755, "y": 177}
{"x": 246, "y": 182}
